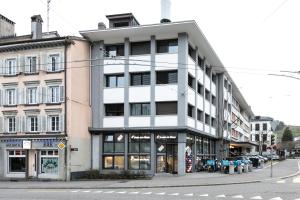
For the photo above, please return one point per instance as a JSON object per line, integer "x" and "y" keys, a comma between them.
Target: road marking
{"x": 174, "y": 194}
{"x": 281, "y": 181}
{"x": 276, "y": 198}
{"x": 203, "y": 195}
{"x": 296, "y": 180}
{"x": 108, "y": 192}
{"x": 220, "y": 196}
{"x": 256, "y": 197}
{"x": 122, "y": 192}
{"x": 161, "y": 193}
{"x": 133, "y": 192}
{"x": 97, "y": 192}
{"x": 189, "y": 195}
{"x": 86, "y": 191}
{"x": 147, "y": 193}
{"x": 238, "y": 197}
{"x": 74, "y": 191}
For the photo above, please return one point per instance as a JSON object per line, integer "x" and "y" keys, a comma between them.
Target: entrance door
{"x": 32, "y": 164}
{"x": 166, "y": 159}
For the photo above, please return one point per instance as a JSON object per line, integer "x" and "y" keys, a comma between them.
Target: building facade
{"x": 44, "y": 106}
{"x": 262, "y": 133}
{"x": 161, "y": 97}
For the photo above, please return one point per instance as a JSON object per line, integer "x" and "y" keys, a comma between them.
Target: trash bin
{"x": 231, "y": 168}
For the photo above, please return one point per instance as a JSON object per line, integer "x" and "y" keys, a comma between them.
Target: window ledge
{"x": 13, "y": 75}
{"x": 54, "y": 72}
{"x": 31, "y": 73}
{"x": 33, "y": 104}
{"x": 133, "y": 86}
{"x": 49, "y": 104}
{"x": 54, "y": 132}
{"x": 9, "y": 106}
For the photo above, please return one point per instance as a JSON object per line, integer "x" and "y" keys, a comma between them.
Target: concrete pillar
{"x": 126, "y": 152}
{"x": 152, "y": 83}
{"x": 95, "y": 152}
{"x": 181, "y": 153}
{"x": 126, "y": 83}
{"x": 153, "y": 154}
{"x": 100, "y": 153}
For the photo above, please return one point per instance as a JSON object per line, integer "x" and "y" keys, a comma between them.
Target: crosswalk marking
{"x": 147, "y": 193}
{"x": 74, "y": 191}
{"x": 86, "y": 191}
{"x": 189, "y": 195}
{"x": 276, "y": 198}
{"x": 281, "y": 181}
{"x": 296, "y": 180}
{"x": 134, "y": 192}
{"x": 256, "y": 197}
{"x": 98, "y": 191}
{"x": 122, "y": 192}
{"x": 203, "y": 195}
{"x": 161, "y": 193}
{"x": 238, "y": 197}
{"x": 109, "y": 192}
{"x": 174, "y": 194}
{"x": 221, "y": 196}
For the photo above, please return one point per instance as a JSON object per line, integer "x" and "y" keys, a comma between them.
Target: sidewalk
{"x": 280, "y": 170}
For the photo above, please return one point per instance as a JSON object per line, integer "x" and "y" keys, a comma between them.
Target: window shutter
{"x": 39, "y": 118}
{"x": 1, "y": 98}
{"x": 62, "y": 93}
{"x": 1, "y": 68}
{"x": 20, "y": 64}
{"x": 37, "y": 63}
{"x": 48, "y": 124}
{"x": 4, "y": 101}
{"x": 39, "y": 95}
{"x": 43, "y": 65}
{"x": 60, "y": 61}
{"x": 1, "y": 125}
{"x": 45, "y": 95}
{"x": 24, "y": 124}
{"x": 5, "y": 121}
{"x": 21, "y": 94}
{"x": 44, "y": 123}
{"x": 26, "y": 67}
{"x": 62, "y": 122}
{"x": 18, "y": 124}
{"x": 16, "y": 96}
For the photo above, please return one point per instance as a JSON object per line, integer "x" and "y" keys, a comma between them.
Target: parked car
{"x": 275, "y": 157}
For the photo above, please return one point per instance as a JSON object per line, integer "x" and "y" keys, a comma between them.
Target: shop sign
{"x": 14, "y": 143}
{"x": 61, "y": 145}
{"x": 26, "y": 144}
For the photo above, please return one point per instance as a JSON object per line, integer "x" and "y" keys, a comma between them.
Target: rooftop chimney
{"x": 165, "y": 11}
{"x": 36, "y": 27}
{"x": 7, "y": 27}
{"x": 101, "y": 26}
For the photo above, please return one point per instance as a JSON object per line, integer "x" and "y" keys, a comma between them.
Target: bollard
{"x": 231, "y": 168}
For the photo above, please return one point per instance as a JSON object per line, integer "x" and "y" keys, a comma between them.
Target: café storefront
{"x": 32, "y": 159}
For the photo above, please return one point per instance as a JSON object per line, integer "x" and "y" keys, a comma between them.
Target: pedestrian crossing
{"x": 295, "y": 180}
{"x": 155, "y": 194}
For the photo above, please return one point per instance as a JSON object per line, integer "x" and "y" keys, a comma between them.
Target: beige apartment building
{"x": 44, "y": 105}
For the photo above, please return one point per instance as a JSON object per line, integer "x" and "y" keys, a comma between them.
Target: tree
{"x": 287, "y": 135}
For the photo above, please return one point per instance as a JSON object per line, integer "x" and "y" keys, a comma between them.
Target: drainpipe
{"x": 67, "y": 170}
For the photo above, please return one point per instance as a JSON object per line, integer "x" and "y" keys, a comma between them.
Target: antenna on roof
{"x": 48, "y": 11}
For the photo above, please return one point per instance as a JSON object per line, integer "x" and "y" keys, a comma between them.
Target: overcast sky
{"x": 252, "y": 38}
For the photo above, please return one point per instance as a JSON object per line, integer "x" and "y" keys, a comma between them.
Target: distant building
{"x": 7, "y": 27}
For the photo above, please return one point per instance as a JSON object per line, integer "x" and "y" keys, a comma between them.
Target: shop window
{"x": 167, "y": 46}
{"x": 206, "y": 146}
{"x": 166, "y": 77}
{"x": 49, "y": 162}
{"x": 166, "y": 108}
{"x": 199, "y": 145}
{"x": 113, "y": 150}
{"x": 113, "y": 162}
{"x": 16, "y": 161}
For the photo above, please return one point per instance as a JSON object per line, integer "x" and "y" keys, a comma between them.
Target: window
{"x": 139, "y": 150}
{"x": 200, "y": 62}
{"x": 114, "y": 50}
{"x": 166, "y": 77}
{"x": 31, "y": 97}
{"x": 31, "y": 65}
{"x": 213, "y": 122}
{"x": 11, "y": 66}
{"x": 199, "y": 145}
{"x": 54, "y": 63}
{"x": 207, "y": 71}
{"x": 265, "y": 136}
{"x": 114, "y": 110}
{"x": 113, "y": 150}
{"x": 138, "y": 48}
{"x": 264, "y": 126}
{"x": 199, "y": 115}
{"x": 214, "y": 78}
{"x": 214, "y": 100}
{"x": 54, "y": 94}
{"x": 257, "y": 127}
{"x": 191, "y": 81}
{"x": 32, "y": 124}
{"x": 191, "y": 110}
{"x": 115, "y": 80}
{"x": 16, "y": 161}
{"x": 200, "y": 89}
{"x": 207, "y": 119}
{"x": 140, "y": 79}
{"x": 49, "y": 162}
{"x": 191, "y": 52}
{"x": 166, "y": 108}
{"x": 137, "y": 109}
{"x": 120, "y": 24}
{"x": 207, "y": 95}
{"x": 11, "y": 124}
{"x": 205, "y": 146}
{"x": 54, "y": 121}
{"x": 11, "y": 96}
{"x": 167, "y": 46}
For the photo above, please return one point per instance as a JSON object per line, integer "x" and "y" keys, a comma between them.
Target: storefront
{"x": 151, "y": 152}
{"x": 242, "y": 148}
{"x": 32, "y": 158}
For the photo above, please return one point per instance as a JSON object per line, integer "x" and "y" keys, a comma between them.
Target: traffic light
{"x": 272, "y": 139}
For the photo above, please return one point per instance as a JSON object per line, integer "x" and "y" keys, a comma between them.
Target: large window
{"x": 11, "y": 96}
{"x": 191, "y": 111}
{"x": 257, "y": 127}
{"x": 207, "y": 95}
{"x": 138, "y": 48}
{"x": 16, "y": 161}
{"x": 49, "y": 162}
{"x": 207, "y": 119}
{"x": 166, "y": 77}
{"x": 166, "y": 108}
{"x": 200, "y": 89}
{"x": 191, "y": 81}
{"x": 114, "y": 109}
{"x": 31, "y": 95}
{"x": 115, "y": 80}
{"x": 139, "y": 151}
{"x": 206, "y": 145}
{"x": 54, "y": 123}
{"x": 53, "y": 94}
{"x": 31, "y": 65}
{"x": 140, "y": 78}
{"x": 199, "y": 115}
{"x": 167, "y": 46}
{"x": 32, "y": 123}
{"x": 264, "y": 126}
{"x": 11, "y": 124}
{"x": 113, "y": 151}
{"x": 11, "y": 66}
{"x": 54, "y": 63}
{"x": 114, "y": 50}
{"x": 137, "y": 109}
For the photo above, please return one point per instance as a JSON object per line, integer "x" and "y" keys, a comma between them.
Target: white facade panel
{"x": 167, "y": 120}
{"x": 166, "y": 61}
{"x": 200, "y": 75}
{"x": 200, "y": 102}
{"x": 200, "y": 126}
{"x": 113, "y": 95}
{"x": 229, "y": 98}
{"x": 213, "y": 89}
{"x": 207, "y": 82}
{"x": 207, "y": 107}
{"x": 166, "y": 92}
{"x": 139, "y": 94}
{"x": 191, "y": 96}
{"x": 213, "y": 111}
{"x": 139, "y": 63}
{"x": 113, "y": 66}
{"x": 139, "y": 121}
{"x": 213, "y": 131}
{"x": 113, "y": 122}
{"x": 191, "y": 122}
{"x": 191, "y": 66}
{"x": 225, "y": 94}
{"x": 206, "y": 128}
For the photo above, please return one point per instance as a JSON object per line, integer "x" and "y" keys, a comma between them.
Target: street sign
{"x": 61, "y": 145}
{"x": 26, "y": 144}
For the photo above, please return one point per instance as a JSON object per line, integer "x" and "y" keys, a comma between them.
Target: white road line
{"x": 238, "y": 197}
{"x": 281, "y": 181}
{"x": 276, "y": 198}
{"x": 122, "y": 192}
{"x": 147, "y": 193}
{"x": 203, "y": 195}
{"x": 220, "y": 196}
{"x": 74, "y": 191}
{"x": 161, "y": 193}
{"x": 189, "y": 195}
{"x": 133, "y": 192}
{"x": 97, "y": 192}
{"x": 174, "y": 194}
{"x": 256, "y": 197}
{"x": 86, "y": 191}
{"x": 108, "y": 192}
{"x": 296, "y": 179}
{"x": 297, "y": 199}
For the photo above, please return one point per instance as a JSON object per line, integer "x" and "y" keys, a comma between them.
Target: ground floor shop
{"x": 242, "y": 148}
{"x": 32, "y": 159}
{"x": 151, "y": 152}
